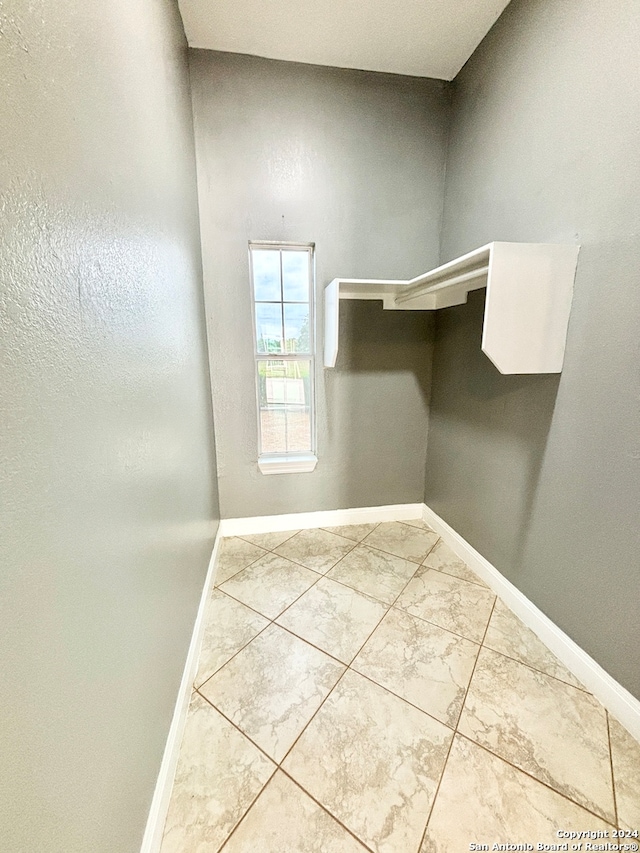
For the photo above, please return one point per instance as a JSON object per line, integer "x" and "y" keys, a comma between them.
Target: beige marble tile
{"x": 269, "y": 541}
{"x": 507, "y": 634}
{"x": 356, "y": 532}
{"x": 417, "y": 522}
{"x": 316, "y": 549}
{"x": 449, "y": 602}
{"x": 233, "y": 556}
{"x": 374, "y": 762}
{"x": 286, "y": 820}
{"x": 484, "y": 800}
{"x": 272, "y": 688}
{"x": 334, "y": 617}
{"x": 545, "y": 727}
{"x": 625, "y": 756}
{"x": 219, "y": 775}
{"x": 420, "y": 662}
{"x": 403, "y": 540}
{"x": 370, "y": 571}
{"x": 443, "y": 559}
{"x": 270, "y": 584}
{"x": 230, "y": 625}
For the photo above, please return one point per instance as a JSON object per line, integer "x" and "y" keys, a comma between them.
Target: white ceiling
{"x": 424, "y": 38}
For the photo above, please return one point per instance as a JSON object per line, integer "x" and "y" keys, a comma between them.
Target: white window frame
{"x": 292, "y": 462}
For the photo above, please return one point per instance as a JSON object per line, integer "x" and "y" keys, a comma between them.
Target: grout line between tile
{"x": 275, "y": 768}
{"x": 385, "y": 614}
{"x": 435, "y": 624}
{"x": 270, "y": 550}
{"x": 274, "y": 622}
{"x": 299, "y": 566}
{"x": 235, "y": 654}
{"x": 392, "y": 554}
{"x": 348, "y": 667}
{"x": 502, "y": 758}
{"x": 359, "y": 591}
{"x": 435, "y": 796}
{"x": 613, "y": 775}
{"x": 275, "y": 554}
{"x": 473, "y": 671}
{"x": 259, "y": 557}
{"x": 485, "y": 645}
{"x": 402, "y": 698}
{"x": 313, "y": 716}
{"x": 277, "y": 625}
{"x": 368, "y": 594}
{"x": 317, "y": 571}
{"x": 264, "y": 616}
{"x": 439, "y": 539}
{"x": 357, "y": 541}
{"x": 251, "y": 805}
{"x": 322, "y": 575}
{"x": 248, "y": 606}
{"x": 248, "y": 809}
{"x": 287, "y": 560}
{"x": 309, "y": 643}
{"x": 535, "y": 778}
{"x": 455, "y": 577}
{"x": 540, "y": 671}
{"x": 451, "y": 575}
{"x": 455, "y": 731}
{"x": 236, "y": 726}
{"x": 325, "y": 809}
{"x": 325, "y": 573}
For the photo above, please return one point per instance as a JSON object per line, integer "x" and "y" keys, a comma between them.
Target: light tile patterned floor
{"x": 361, "y": 689}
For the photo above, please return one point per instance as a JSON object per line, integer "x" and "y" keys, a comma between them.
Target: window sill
{"x": 302, "y": 463}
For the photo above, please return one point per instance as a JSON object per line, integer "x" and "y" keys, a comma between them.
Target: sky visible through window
{"x": 282, "y": 291}
{"x": 282, "y": 300}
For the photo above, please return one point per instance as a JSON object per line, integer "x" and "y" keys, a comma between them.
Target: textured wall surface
{"x": 107, "y": 463}
{"x": 542, "y": 474}
{"x": 354, "y": 162}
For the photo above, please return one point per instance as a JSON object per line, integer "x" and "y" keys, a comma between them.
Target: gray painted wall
{"x": 354, "y": 162}
{"x": 542, "y": 474}
{"x": 109, "y": 502}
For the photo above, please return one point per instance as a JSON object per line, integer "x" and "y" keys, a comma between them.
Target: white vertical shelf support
{"x": 331, "y": 322}
{"x": 529, "y": 293}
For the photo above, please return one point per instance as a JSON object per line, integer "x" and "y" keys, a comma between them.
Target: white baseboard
{"x": 615, "y": 698}
{"x": 323, "y": 518}
{"x": 152, "y": 839}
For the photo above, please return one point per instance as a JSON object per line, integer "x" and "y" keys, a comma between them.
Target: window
{"x": 282, "y": 286}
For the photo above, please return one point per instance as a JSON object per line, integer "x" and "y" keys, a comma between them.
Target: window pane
{"x": 295, "y": 276}
{"x": 273, "y": 425}
{"x": 268, "y": 327}
{"x": 266, "y": 275}
{"x": 296, "y": 327}
{"x": 298, "y": 430}
{"x": 285, "y": 405}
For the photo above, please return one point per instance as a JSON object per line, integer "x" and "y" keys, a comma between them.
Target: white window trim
{"x": 281, "y": 463}
{"x": 294, "y": 462}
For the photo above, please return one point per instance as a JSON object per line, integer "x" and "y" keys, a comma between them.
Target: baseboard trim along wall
{"x": 615, "y": 698}
{"x": 622, "y": 704}
{"x": 323, "y": 518}
{"x": 152, "y": 838}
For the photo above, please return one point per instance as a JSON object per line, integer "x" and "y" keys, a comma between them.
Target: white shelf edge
{"x": 529, "y": 292}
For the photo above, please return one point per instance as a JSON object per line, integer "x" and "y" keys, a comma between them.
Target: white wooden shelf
{"x": 529, "y": 292}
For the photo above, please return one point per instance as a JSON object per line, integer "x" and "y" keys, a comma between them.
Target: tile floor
{"x": 360, "y": 689}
